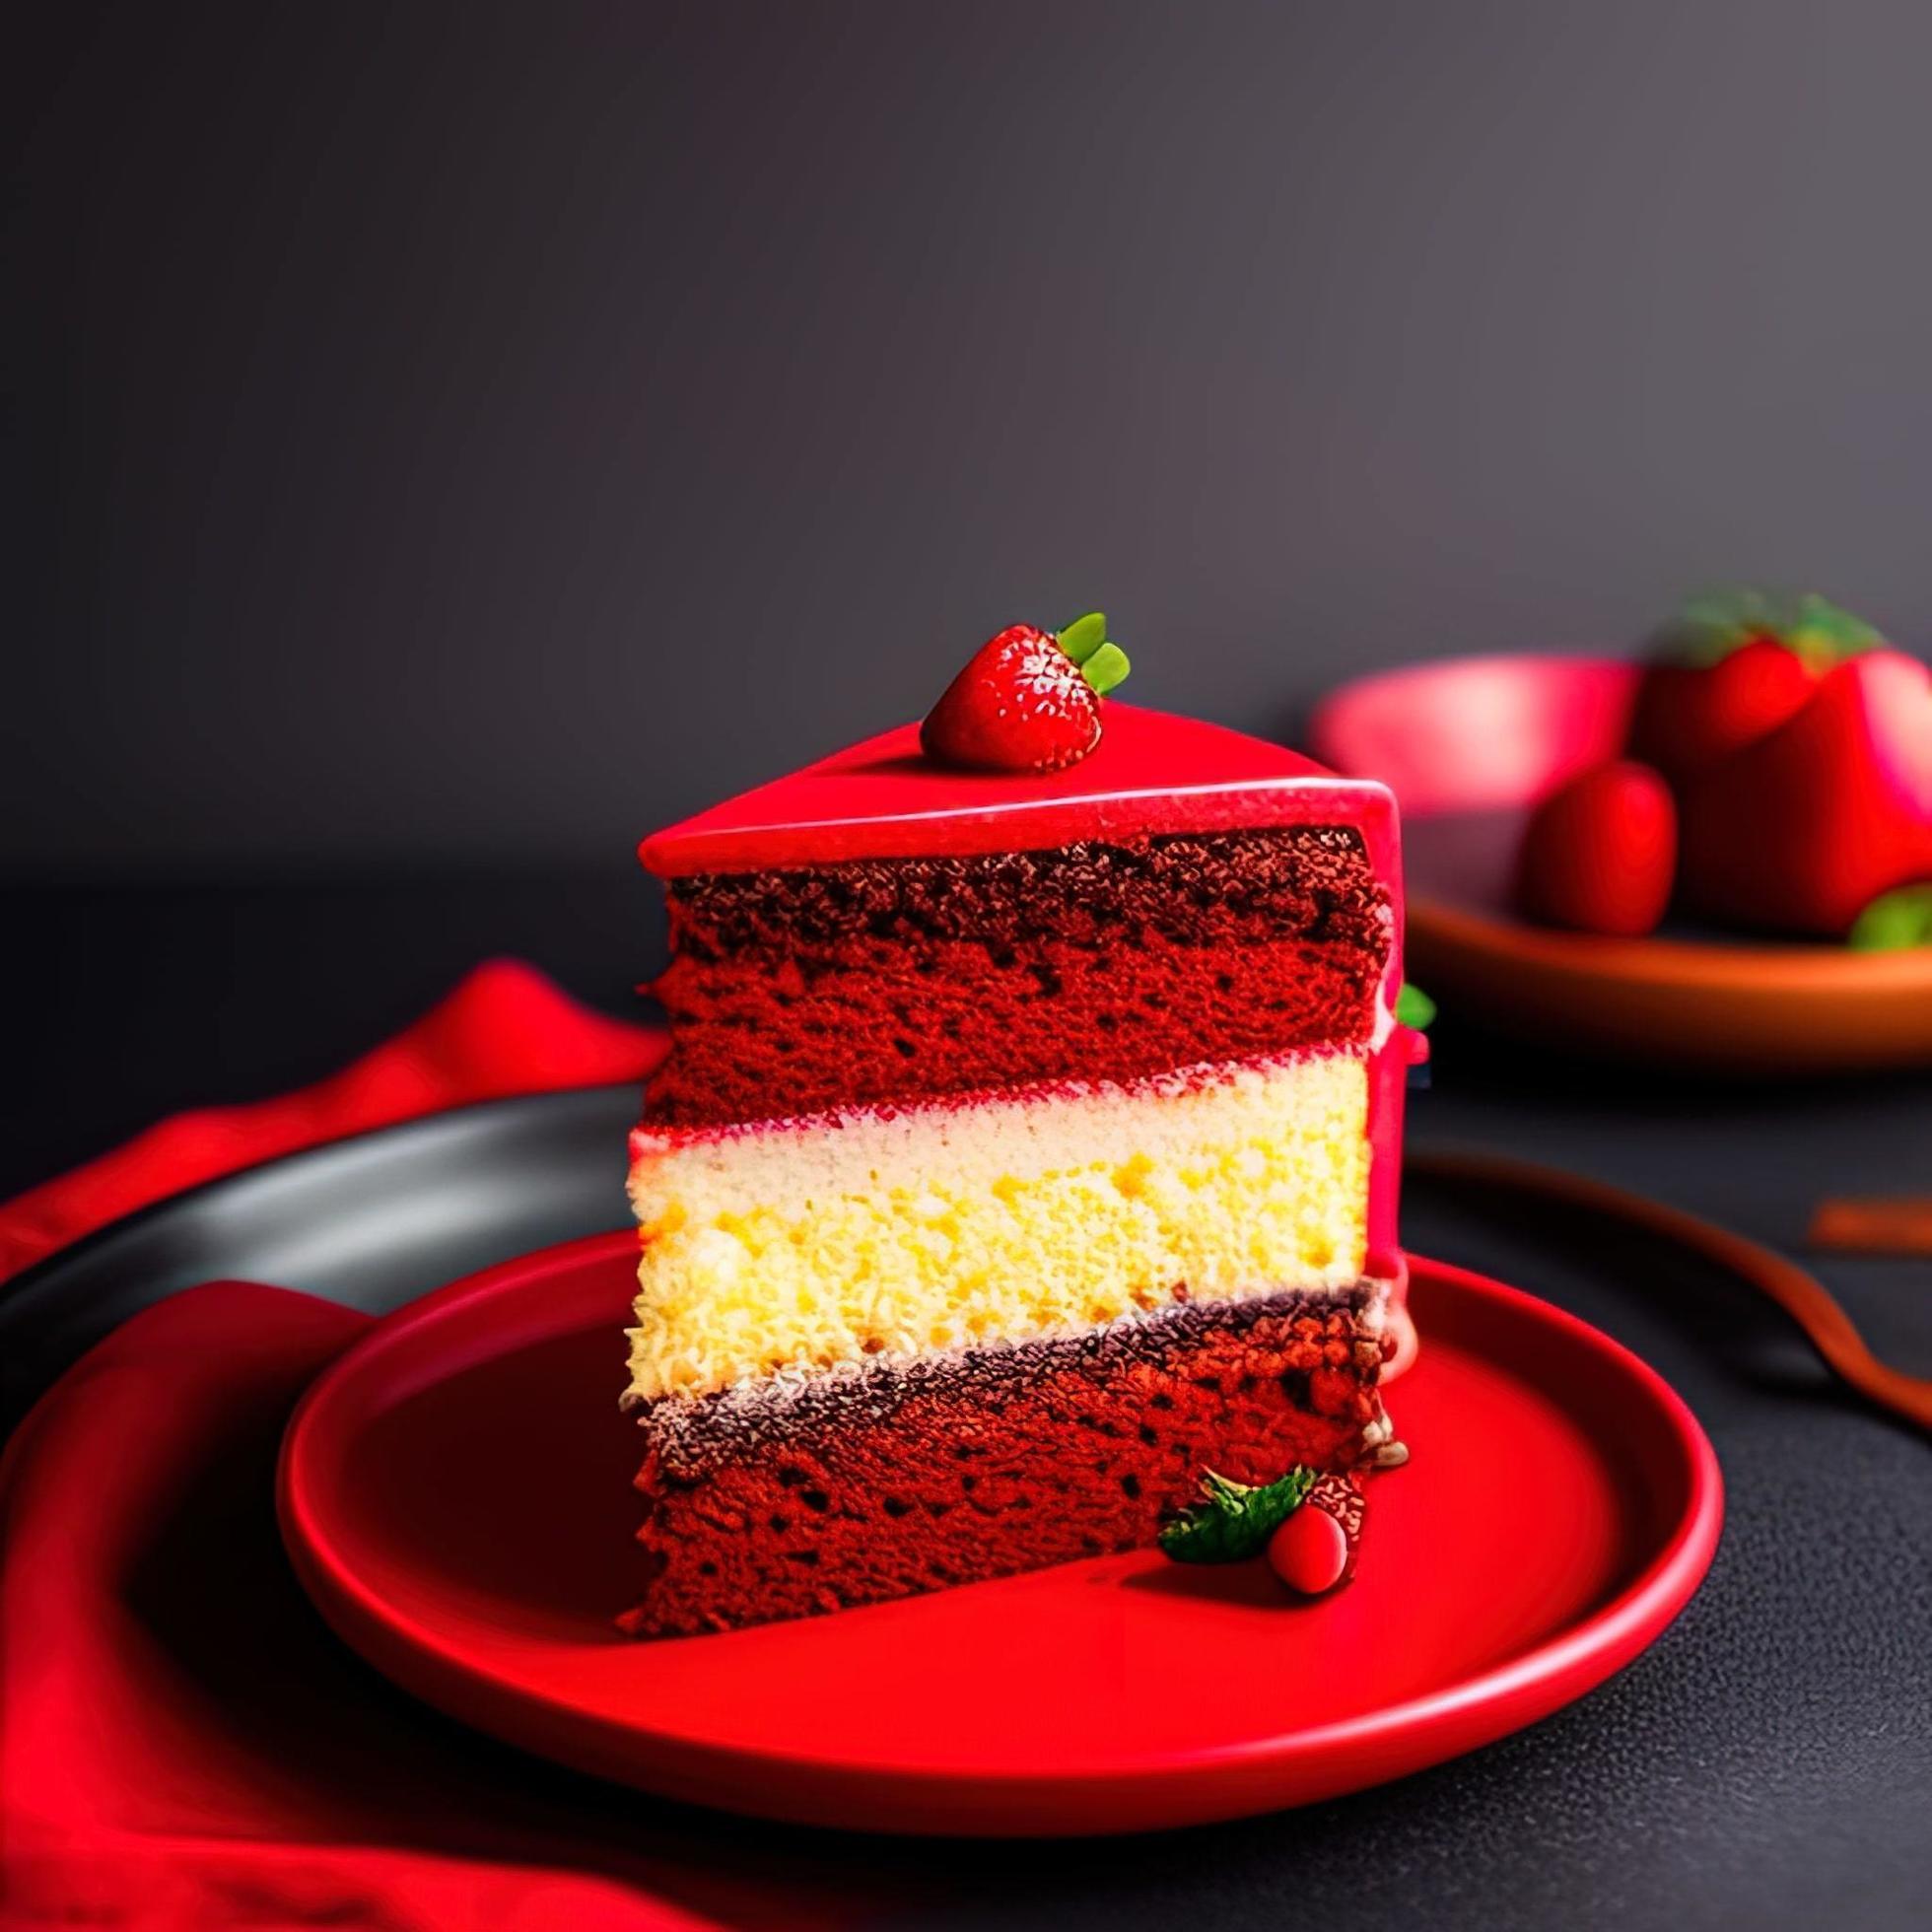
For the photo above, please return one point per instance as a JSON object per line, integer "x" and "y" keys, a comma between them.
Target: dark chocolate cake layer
{"x": 1193, "y": 888}
{"x": 789, "y": 1497}
{"x": 855, "y": 983}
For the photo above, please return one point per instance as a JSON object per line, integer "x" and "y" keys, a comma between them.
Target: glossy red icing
{"x": 1151, "y": 773}
{"x": 1388, "y": 1089}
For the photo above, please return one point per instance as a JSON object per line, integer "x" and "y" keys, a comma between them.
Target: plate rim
{"x": 83, "y": 1248}
{"x": 1522, "y": 1689}
{"x": 1786, "y": 969}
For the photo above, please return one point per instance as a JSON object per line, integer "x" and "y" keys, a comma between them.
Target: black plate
{"x": 372, "y": 1221}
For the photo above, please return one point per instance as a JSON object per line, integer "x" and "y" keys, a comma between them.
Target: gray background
{"x": 478, "y": 435}
{"x": 453, "y": 440}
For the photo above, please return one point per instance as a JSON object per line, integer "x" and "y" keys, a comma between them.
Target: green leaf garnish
{"x": 1413, "y": 1007}
{"x": 1234, "y": 1520}
{"x": 1102, "y": 665}
{"x": 1085, "y": 635}
{"x": 1106, "y": 668}
{"x": 1894, "y": 921}
{"x": 1845, "y": 634}
{"x": 1711, "y": 625}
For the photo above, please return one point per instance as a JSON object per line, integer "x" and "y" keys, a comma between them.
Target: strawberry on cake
{"x": 1026, "y": 1149}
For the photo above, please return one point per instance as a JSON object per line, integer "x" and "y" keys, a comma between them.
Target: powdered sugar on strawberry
{"x": 1025, "y": 703}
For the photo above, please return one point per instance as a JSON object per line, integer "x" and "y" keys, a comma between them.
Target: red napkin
{"x": 181, "y": 1739}
{"x": 185, "y": 1742}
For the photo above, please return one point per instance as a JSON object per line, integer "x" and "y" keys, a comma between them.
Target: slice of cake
{"x": 1027, "y": 1145}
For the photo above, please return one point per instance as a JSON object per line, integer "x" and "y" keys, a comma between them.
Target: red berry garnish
{"x": 1600, "y": 853}
{"x": 1315, "y": 1548}
{"x": 1028, "y": 701}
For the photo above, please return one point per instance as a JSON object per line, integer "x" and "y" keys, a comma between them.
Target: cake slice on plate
{"x": 1027, "y": 1145}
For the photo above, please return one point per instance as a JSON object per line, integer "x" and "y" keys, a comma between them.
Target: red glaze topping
{"x": 1151, "y": 773}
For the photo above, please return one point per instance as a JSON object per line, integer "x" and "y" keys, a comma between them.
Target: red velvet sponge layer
{"x": 855, "y": 1487}
{"x": 790, "y": 993}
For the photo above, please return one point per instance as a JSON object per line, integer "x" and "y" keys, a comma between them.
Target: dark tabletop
{"x": 1769, "y": 1763}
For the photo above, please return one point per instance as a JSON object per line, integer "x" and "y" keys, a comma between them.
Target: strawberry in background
{"x": 1795, "y": 745}
{"x": 1600, "y": 853}
{"x": 1805, "y": 826}
{"x": 1732, "y": 666}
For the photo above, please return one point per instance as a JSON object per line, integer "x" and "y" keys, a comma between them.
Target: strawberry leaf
{"x": 1851, "y": 634}
{"x": 1894, "y": 921}
{"x": 1106, "y": 668}
{"x": 1085, "y": 635}
{"x": 1234, "y": 1520}
{"x": 1413, "y": 1007}
{"x": 1711, "y": 625}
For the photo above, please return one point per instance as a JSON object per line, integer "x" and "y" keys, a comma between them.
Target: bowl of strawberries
{"x": 1717, "y": 854}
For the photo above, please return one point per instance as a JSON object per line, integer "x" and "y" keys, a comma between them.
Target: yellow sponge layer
{"x": 810, "y": 1243}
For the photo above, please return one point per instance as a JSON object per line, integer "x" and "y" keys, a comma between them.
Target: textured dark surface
{"x": 1768, "y": 1763}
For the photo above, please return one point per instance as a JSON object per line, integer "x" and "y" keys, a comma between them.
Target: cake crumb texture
{"x": 808, "y": 1243}
{"x": 795, "y": 992}
{"x": 894, "y": 1478}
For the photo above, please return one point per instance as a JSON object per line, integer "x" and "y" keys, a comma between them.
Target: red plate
{"x": 456, "y": 1496}
{"x": 1468, "y": 746}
